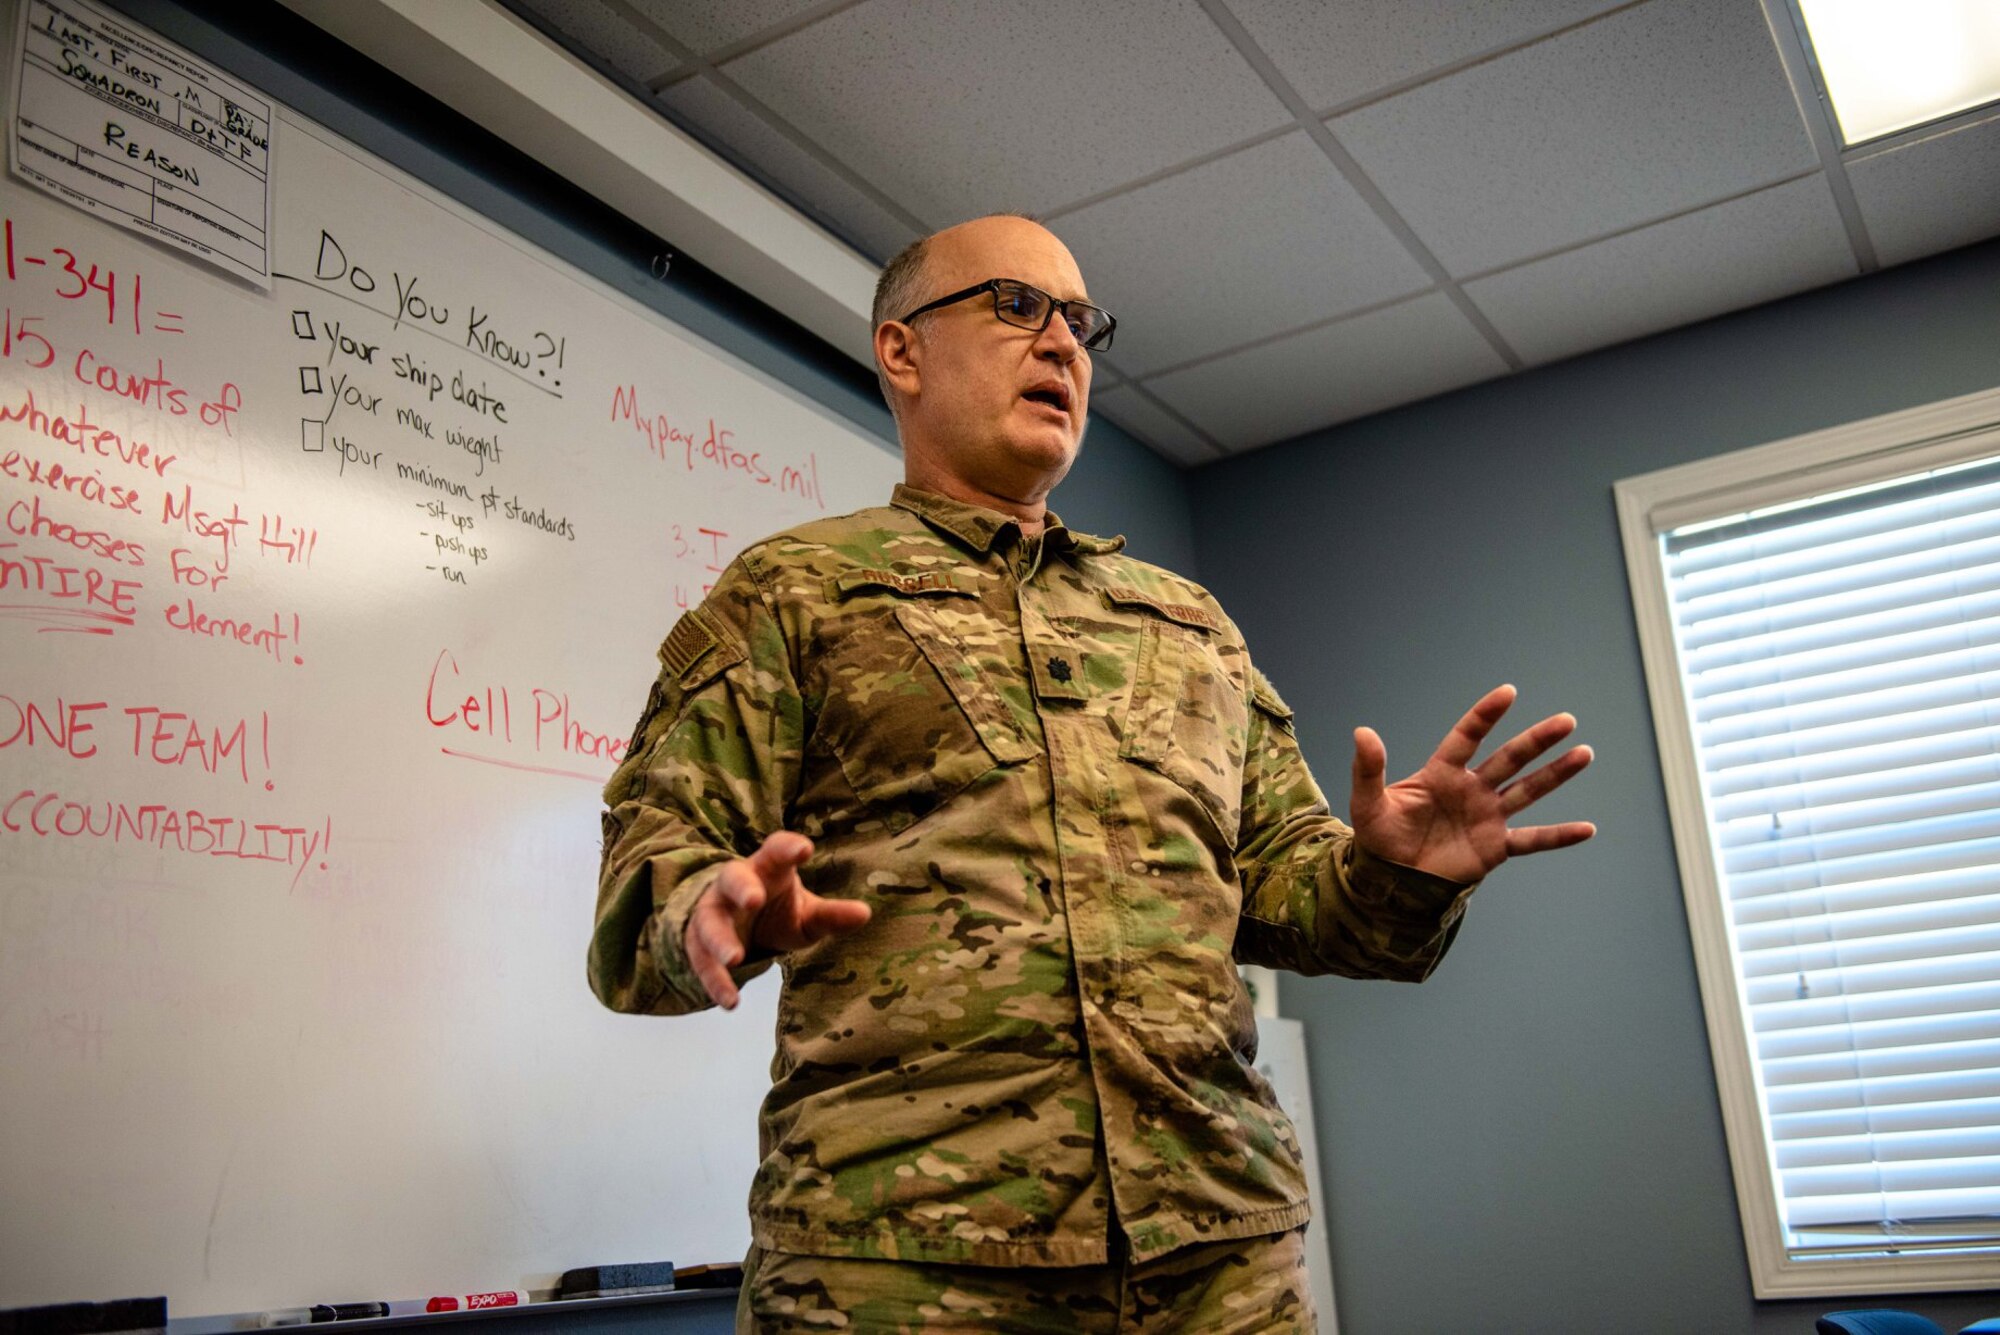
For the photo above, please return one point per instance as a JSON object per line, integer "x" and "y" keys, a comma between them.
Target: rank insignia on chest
{"x": 1058, "y": 673}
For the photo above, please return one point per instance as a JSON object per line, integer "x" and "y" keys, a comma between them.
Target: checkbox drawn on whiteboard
{"x": 312, "y": 435}
{"x": 302, "y": 326}
{"x": 309, "y": 380}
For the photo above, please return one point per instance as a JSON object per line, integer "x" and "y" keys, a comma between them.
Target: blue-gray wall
{"x": 1120, "y": 486}
{"x": 1530, "y": 1141}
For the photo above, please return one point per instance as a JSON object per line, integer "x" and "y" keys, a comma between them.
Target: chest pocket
{"x": 1188, "y": 717}
{"x": 911, "y": 711}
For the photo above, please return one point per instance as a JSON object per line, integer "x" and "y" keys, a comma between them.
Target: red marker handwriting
{"x": 66, "y": 726}
{"x": 549, "y": 725}
{"x": 37, "y": 814}
{"x": 273, "y": 634}
{"x": 173, "y": 738}
{"x": 84, "y": 436}
{"x": 715, "y": 448}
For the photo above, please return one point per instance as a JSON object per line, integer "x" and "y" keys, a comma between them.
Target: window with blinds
{"x": 1841, "y": 659}
{"x": 1820, "y": 620}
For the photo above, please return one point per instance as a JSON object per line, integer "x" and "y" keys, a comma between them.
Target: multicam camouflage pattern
{"x": 1073, "y": 805}
{"x": 1246, "y": 1287}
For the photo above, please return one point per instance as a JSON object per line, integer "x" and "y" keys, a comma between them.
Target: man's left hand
{"x": 1450, "y": 817}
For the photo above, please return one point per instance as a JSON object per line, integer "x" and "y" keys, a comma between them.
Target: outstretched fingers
{"x": 1451, "y": 818}
{"x": 713, "y": 939}
{"x": 1532, "y": 788}
{"x": 830, "y": 917}
{"x": 1541, "y": 838}
{"x": 761, "y": 900}
{"x": 1462, "y": 742}
{"x": 779, "y": 856}
{"x": 1524, "y": 748}
{"x": 721, "y": 926}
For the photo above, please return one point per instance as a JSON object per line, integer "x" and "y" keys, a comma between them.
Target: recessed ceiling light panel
{"x": 1888, "y": 66}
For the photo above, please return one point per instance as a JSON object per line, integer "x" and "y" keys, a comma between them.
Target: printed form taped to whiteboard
{"x": 143, "y": 134}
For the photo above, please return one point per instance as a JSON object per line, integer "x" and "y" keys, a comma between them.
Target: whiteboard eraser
{"x": 617, "y": 1281}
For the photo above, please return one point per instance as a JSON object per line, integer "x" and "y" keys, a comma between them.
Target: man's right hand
{"x": 760, "y": 900}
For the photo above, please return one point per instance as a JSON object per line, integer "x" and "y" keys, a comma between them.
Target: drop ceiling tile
{"x": 707, "y": 24}
{"x": 1932, "y": 195}
{"x": 1161, "y": 430}
{"x": 1264, "y": 240}
{"x": 1334, "y": 53}
{"x": 602, "y": 31}
{"x": 1763, "y": 246}
{"x": 746, "y": 138}
{"x": 1647, "y": 112}
{"x": 1346, "y": 370}
{"x": 959, "y": 109}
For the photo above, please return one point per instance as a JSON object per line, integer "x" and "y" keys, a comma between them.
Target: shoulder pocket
{"x": 696, "y": 651}
{"x": 1188, "y": 718}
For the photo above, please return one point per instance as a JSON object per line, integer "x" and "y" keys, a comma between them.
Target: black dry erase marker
{"x": 347, "y": 1311}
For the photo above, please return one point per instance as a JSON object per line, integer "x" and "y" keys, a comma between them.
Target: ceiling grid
{"x": 702, "y": 67}
{"x": 1343, "y": 162}
{"x": 1490, "y": 184}
{"x": 1788, "y": 33}
{"x": 763, "y": 37}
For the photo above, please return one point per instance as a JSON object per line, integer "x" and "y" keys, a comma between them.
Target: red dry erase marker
{"x": 479, "y": 1302}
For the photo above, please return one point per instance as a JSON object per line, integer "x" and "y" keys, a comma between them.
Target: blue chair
{"x": 1877, "y": 1321}
{"x": 1990, "y": 1326}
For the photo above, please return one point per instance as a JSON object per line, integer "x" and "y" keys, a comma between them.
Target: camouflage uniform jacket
{"x": 1073, "y": 806}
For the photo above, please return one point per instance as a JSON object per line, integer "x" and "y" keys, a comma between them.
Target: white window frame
{"x": 1894, "y": 445}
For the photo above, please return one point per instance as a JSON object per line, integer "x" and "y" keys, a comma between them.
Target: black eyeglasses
{"x": 1026, "y": 307}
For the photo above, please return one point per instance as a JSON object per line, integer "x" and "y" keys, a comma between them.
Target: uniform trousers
{"x": 1246, "y": 1286}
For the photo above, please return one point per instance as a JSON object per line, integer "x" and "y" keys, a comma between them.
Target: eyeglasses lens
{"x": 1090, "y": 326}
{"x": 1019, "y": 304}
{"x": 1028, "y": 307}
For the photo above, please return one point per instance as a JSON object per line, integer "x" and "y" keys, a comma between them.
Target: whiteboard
{"x": 305, "y": 712}
{"x": 1281, "y": 1059}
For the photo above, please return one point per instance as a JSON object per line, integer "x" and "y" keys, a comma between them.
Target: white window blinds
{"x": 1841, "y": 664}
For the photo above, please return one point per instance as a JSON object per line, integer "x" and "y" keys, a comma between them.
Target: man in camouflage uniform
{"x": 1008, "y": 807}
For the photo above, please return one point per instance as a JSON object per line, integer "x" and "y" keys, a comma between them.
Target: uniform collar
{"x": 982, "y": 529}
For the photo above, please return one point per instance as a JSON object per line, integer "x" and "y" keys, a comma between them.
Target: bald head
{"x": 987, "y": 410}
{"x": 905, "y": 282}
{"x": 966, "y": 254}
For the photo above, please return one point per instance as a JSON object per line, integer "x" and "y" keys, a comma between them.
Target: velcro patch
{"x": 908, "y": 583}
{"x": 1186, "y": 614}
{"x": 687, "y": 643}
